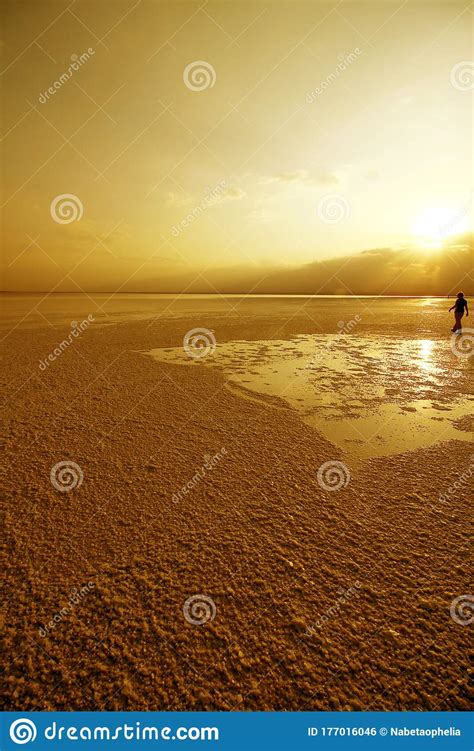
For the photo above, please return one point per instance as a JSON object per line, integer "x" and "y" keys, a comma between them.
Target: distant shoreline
{"x": 233, "y": 294}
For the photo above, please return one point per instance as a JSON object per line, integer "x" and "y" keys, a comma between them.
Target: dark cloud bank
{"x": 381, "y": 271}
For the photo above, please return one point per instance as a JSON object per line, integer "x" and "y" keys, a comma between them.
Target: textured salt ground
{"x": 257, "y": 534}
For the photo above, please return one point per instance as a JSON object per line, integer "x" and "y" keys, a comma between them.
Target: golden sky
{"x": 231, "y": 140}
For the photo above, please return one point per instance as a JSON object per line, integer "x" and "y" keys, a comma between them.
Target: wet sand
{"x": 196, "y": 478}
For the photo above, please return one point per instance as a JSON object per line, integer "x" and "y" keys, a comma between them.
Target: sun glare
{"x": 435, "y": 224}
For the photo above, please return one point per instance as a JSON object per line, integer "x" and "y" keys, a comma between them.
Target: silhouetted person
{"x": 459, "y": 306}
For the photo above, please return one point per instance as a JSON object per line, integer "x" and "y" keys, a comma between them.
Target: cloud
{"x": 284, "y": 177}
{"x": 405, "y": 270}
{"x": 303, "y": 177}
{"x": 376, "y": 271}
{"x": 232, "y": 193}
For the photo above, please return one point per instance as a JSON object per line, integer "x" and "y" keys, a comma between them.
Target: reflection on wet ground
{"x": 371, "y": 396}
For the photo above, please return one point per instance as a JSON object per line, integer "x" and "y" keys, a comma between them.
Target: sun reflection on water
{"x": 425, "y": 355}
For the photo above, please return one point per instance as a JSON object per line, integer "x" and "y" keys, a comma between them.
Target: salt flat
{"x": 307, "y": 481}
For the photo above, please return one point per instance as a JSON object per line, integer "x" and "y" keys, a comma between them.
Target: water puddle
{"x": 369, "y": 397}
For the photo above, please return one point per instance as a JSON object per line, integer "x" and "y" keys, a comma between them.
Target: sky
{"x": 237, "y": 146}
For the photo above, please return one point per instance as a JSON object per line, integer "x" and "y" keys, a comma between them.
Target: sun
{"x": 437, "y": 223}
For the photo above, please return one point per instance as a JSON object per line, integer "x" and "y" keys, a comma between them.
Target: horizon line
{"x": 222, "y": 294}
